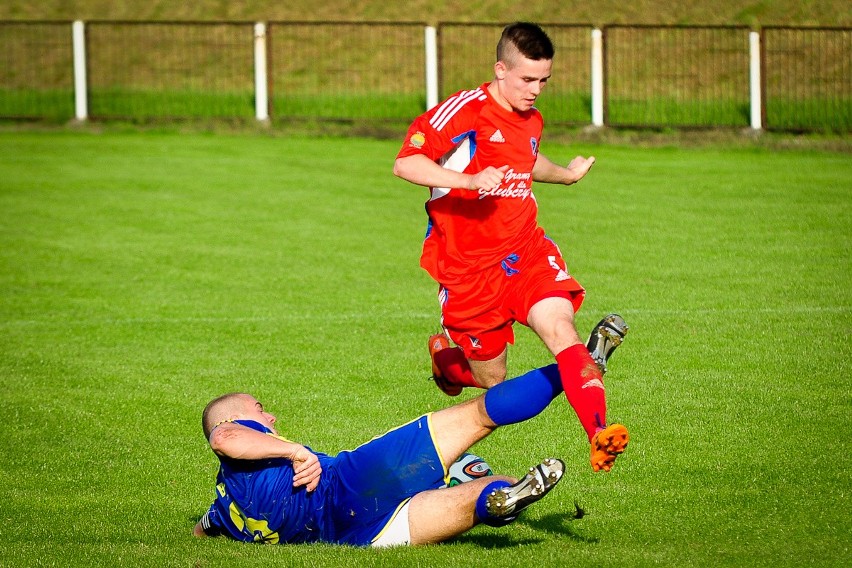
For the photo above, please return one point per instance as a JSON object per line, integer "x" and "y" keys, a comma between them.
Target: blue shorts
{"x": 376, "y": 478}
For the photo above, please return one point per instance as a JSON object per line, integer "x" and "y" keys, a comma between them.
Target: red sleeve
{"x": 437, "y": 131}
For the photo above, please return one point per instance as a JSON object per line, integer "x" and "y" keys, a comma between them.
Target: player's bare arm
{"x": 549, "y": 172}
{"x": 420, "y": 170}
{"x": 240, "y": 442}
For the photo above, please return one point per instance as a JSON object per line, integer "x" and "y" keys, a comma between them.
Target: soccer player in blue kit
{"x": 387, "y": 492}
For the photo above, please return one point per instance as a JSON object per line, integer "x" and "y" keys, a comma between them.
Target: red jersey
{"x": 473, "y": 229}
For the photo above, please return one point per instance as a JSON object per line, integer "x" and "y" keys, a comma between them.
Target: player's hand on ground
{"x": 580, "y": 166}
{"x": 488, "y": 178}
{"x": 306, "y": 469}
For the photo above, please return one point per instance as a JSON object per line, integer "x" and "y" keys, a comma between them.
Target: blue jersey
{"x": 256, "y": 501}
{"x": 359, "y": 491}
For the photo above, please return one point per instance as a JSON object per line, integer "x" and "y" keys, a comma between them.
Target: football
{"x": 467, "y": 468}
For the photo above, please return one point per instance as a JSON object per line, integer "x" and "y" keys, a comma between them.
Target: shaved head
{"x": 523, "y": 40}
{"x": 222, "y": 408}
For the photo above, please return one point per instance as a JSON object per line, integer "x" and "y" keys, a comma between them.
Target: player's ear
{"x": 500, "y": 70}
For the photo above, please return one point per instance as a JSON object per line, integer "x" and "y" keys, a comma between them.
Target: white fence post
{"x": 431, "y": 67}
{"x": 597, "y": 78}
{"x": 81, "y": 100}
{"x": 261, "y": 95}
{"x": 754, "y": 80}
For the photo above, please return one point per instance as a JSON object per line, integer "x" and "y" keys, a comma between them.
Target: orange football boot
{"x": 608, "y": 444}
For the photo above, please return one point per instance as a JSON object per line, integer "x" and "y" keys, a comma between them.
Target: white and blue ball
{"x": 467, "y": 468}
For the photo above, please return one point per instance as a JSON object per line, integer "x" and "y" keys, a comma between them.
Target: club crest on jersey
{"x": 534, "y": 146}
{"x": 417, "y": 139}
{"x": 474, "y": 343}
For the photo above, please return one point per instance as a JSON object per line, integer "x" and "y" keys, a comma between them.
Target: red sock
{"x": 583, "y": 384}
{"x": 455, "y": 368}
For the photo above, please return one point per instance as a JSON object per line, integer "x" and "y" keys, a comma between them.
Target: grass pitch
{"x": 142, "y": 274}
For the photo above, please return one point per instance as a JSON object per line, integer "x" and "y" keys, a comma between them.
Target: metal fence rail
{"x": 779, "y": 78}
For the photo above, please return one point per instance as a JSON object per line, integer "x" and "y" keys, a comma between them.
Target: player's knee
{"x": 559, "y": 335}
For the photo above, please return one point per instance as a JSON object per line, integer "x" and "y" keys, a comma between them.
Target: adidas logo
{"x": 497, "y": 137}
{"x": 562, "y": 275}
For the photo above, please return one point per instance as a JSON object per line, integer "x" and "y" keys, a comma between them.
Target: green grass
{"x": 572, "y": 108}
{"x": 829, "y": 115}
{"x": 826, "y": 115}
{"x": 382, "y": 106}
{"x": 672, "y": 112}
{"x": 141, "y": 274}
{"x": 566, "y": 108}
{"x": 141, "y": 104}
{"x": 52, "y": 104}
{"x": 123, "y": 103}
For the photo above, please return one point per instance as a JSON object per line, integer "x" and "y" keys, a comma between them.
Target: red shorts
{"x": 479, "y": 312}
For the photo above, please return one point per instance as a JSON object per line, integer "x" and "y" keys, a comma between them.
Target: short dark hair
{"x": 528, "y": 38}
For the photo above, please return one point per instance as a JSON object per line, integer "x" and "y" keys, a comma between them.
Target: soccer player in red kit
{"x": 478, "y": 151}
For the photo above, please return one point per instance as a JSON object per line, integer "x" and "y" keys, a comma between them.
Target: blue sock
{"x": 523, "y": 397}
{"x": 482, "y": 510}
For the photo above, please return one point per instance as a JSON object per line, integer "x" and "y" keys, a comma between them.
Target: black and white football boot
{"x": 507, "y": 502}
{"x": 605, "y": 337}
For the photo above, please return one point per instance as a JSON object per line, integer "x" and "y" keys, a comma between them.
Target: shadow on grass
{"x": 555, "y": 524}
{"x": 494, "y": 541}
{"x": 560, "y": 525}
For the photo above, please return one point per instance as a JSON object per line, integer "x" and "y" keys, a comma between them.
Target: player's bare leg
{"x": 440, "y": 514}
{"x": 491, "y": 372}
{"x": 552, "y": 319}
{"x": 457, "y": 428}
